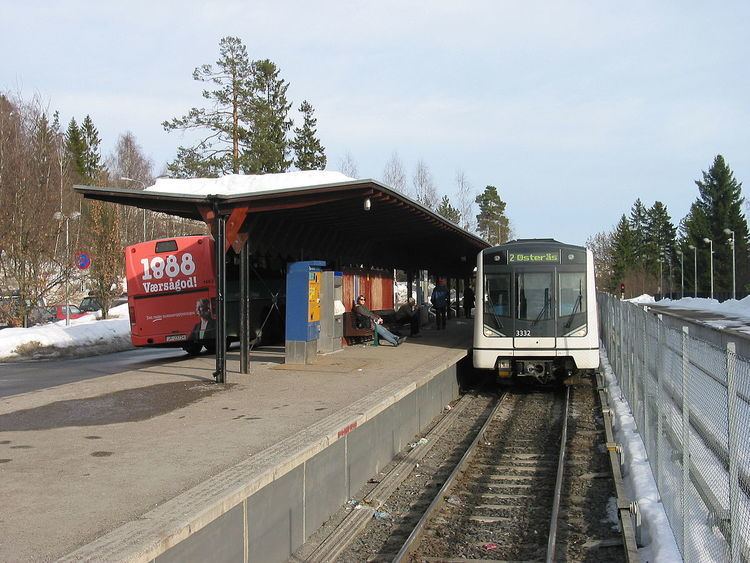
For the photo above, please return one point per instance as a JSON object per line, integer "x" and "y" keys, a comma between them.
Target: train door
{"x": 534, "y": 323}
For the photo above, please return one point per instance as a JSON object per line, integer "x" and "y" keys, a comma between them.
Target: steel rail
{"x": 552, "y": 539}
{"x": 413, "y": 539}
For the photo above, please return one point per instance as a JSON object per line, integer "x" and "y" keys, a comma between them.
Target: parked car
{"x": 91, "y": 303}
{"x": 57, "y": 312}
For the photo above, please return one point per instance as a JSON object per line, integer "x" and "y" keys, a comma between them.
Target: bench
{"x": 354, "y": 334}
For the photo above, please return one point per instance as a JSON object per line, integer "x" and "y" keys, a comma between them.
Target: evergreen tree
{"x": 228, "y": 120}
{"x": 92, "y": 158}
{"x": 492, "y": 223}
{"x": 445, "y": 209}
{"x": 660, "y": 241}
{"x": 269, "y": 146}
{"x": 308, "y": 152}
{"x": 75, "y": 147}
{"x": 106, "y": 252}
{"x": 638, "y": 221}
{"x": 718, "y": 207}
{"x": 623, "y": 255}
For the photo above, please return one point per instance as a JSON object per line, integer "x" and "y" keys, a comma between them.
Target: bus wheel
{"x": 193, "y": 349}
{"x": 211, "y": 346}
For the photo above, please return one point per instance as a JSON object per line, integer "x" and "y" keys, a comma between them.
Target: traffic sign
{"x": 83, "y": 261}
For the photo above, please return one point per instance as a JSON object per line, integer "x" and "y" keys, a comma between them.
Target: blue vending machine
{"x": 302, "y": 311}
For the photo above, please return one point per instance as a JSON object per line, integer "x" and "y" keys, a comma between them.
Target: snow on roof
{"x": 247, "y": 183}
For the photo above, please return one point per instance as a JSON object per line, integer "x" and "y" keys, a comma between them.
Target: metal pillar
{"x": 409, "y": 283}
{"x": 448, "y": 314}
{"x": 221, "y": 286}
{"x": 245, "y": 308}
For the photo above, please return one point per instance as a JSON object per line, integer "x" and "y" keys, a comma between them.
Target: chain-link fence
{"x": 691, "y": 402}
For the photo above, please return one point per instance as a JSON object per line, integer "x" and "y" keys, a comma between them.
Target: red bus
{"x": 172, "y": 292}
{"x": 172, "y": 295}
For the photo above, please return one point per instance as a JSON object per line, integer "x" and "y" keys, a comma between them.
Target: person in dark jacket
{"x": 439, "y": 300}
{"x": 376, "y": 322}
{"x": 468, "y": 301}
{"x": 409, "y": 313}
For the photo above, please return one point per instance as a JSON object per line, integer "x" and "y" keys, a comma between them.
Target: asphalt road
{"x": 22, "y": 377}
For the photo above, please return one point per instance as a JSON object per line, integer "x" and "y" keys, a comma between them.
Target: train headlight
{"x": 503, "y": 364}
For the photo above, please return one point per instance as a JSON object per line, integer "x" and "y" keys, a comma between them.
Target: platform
{"x": 160, "y": 462}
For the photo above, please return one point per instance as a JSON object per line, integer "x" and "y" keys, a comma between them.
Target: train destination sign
{"x": 534, "y": 257}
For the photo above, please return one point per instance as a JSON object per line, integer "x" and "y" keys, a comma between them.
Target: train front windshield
{"x": 534, "y": 303}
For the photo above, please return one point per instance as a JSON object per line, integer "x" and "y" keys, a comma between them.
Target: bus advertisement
{"x": 172, "y": 292}
{"x": 172, "y": 295}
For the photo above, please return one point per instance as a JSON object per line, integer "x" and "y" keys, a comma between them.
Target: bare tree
{"x": 348, "y": 166}
{"x": 29, "y": 180}
{"x": 131, "y": 168}
{"x": 465, "y": 200}
{"x": 394, "y": 175}
{"x": 424, "y": 186}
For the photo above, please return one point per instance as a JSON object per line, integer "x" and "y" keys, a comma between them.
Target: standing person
{"x": 376, "y": 322}
{"x": 439, "y": 300}
{"x": 468, "y": 301}
{"x": 408, "y": 313}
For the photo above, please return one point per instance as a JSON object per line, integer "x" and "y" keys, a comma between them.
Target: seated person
{"x": 409, "y": 313}
{"x": 364, "y": 314}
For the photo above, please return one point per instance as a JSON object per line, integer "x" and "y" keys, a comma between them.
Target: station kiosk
{"x": 302, "y": 311}
{"x": 331, "y": 311}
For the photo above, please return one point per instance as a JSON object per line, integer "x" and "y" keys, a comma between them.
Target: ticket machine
{"x": 303, "y": 311}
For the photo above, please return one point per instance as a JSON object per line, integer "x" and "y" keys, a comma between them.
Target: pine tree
{"x": 309, "y": 153}
{"x": 445, "y": 209}
{"x": 492, "y": 223}
{"x": 660, "y": 241}
{"x": 269, "y": 110}
{"x": 718, "y": 207}
{"x": 75, "y": 149}
{"x": 92, "y": 158}
{"x": 638, "y": 220}
{"x": 623, "y": 255}
{"x": 227, "y": 121}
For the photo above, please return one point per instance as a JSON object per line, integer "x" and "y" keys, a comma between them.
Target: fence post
{"x": 644, "y": 380}
{"x": 659, "y": 417}
{"x": 735, "y": 544}
{"x": 685, "y": 437}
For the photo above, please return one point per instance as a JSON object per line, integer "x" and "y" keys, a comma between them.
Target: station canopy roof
{"x": 314, "y": 215}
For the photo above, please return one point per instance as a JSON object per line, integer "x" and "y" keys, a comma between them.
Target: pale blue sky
{"x": 572, "y": 109}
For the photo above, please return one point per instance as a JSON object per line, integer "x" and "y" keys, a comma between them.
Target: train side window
{"x": 496, "y": 304}
{"x": 572, "y": 293}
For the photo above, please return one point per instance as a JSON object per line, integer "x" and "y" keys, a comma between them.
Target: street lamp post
{"x": 709, "y": 242}
{"x": 143, "y": 185}
{"x": 695, "y": 269}
{"x": 734, "y": 282}
{"x": 67, "y": 218}
{"x": 682, "y": 273}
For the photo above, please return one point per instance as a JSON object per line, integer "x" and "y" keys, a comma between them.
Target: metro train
{"x": 535, "y": 315}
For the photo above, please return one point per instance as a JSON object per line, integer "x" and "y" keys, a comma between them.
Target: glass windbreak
{"x": 572, "y": 304}
{"x": 497, "y": 320}
{"x": 534, "y": 310}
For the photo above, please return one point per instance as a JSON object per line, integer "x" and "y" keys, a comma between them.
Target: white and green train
{"x": 535, "y": 314}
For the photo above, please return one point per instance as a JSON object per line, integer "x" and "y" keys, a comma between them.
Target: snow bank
{"x": 659, "y": 541}
{"x": 84, "y": 336}
{"x": 645, "y": 298}
{"x": 246, "y": 183}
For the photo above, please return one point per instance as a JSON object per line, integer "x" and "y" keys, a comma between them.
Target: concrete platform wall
{"x": 272, "y": 523}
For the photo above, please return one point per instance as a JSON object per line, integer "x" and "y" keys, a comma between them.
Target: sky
{"x": 571, "y": 109}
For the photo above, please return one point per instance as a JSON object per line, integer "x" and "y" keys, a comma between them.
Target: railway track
{"x": 515, "y": 494}
{"x": 535, "y": 484}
